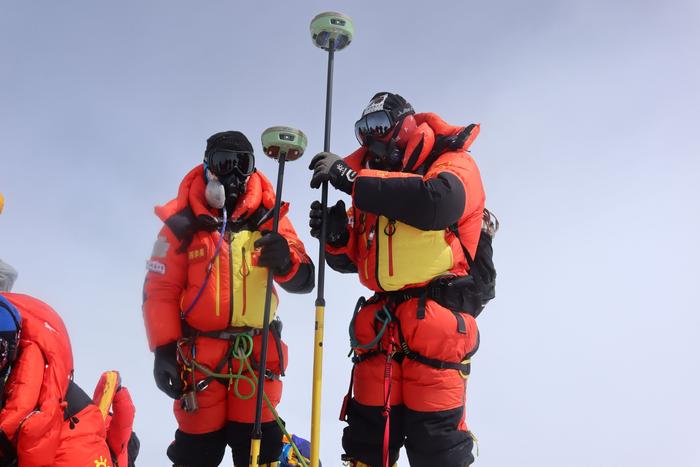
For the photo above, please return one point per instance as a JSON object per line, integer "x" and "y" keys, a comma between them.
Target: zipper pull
{"x": 390, "y": 228}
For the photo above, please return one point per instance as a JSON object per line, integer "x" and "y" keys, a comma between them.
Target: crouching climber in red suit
{"x": 204, "y": 298}
{"x": 47, "y": 419}
{"x": 417, "y": 205}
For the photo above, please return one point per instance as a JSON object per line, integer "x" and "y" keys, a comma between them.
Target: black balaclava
{"x": 387, "y": 155}
{"x": 234, "y": 184}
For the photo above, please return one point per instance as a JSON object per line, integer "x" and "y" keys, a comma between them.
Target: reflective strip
{"x": 160, "y": 248}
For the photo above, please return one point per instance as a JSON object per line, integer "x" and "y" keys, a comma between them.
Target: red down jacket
{"x": 234, "y": 293}
{"x": 32, "y": 417}
{"x": 401, "y": 237}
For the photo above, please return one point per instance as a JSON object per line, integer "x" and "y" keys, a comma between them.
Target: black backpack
{"x": 470, "y": 294}
{"x": 481, "y": 268}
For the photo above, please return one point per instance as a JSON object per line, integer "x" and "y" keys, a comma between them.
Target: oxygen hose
{"x": 224, "y": 220}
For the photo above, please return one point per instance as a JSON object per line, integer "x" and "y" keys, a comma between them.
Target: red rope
{"x": 387, "y": 395}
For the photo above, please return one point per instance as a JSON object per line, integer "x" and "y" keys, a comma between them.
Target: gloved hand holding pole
{"x": 283, "y": 144}
{"x": 330, "y": 31}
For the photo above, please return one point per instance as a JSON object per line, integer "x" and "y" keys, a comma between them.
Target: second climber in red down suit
{"x": 203, "y": 304}
{"x": 417, "y": 206}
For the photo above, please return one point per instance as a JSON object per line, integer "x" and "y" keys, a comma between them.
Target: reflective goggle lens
{"x": 373, "y": 124}
{"x": 223, "y": 163}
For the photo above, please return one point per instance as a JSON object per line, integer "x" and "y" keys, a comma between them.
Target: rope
{"x": 241, "y": 350}
{"x": 382, "y": 315}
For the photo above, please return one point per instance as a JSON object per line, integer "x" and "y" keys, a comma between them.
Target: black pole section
{"x": 320, "y": 300}
{"x": 257, "y": 430}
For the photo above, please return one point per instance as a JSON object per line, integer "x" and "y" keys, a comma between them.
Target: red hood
{"x": 430, "y": 126}
{"x": 41, "y": 324}
{"x": 191, "y": 193}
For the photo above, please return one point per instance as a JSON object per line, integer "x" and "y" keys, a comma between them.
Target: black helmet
{"x": 381, "y": 115}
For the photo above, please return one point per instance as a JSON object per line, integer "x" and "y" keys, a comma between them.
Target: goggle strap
{"x": 397, "y": 128}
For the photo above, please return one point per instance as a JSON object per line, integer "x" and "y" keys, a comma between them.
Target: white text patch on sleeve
{"x": 155, "y": 266}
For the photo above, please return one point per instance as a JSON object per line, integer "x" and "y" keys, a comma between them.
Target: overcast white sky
{"x": 589, "y": 151}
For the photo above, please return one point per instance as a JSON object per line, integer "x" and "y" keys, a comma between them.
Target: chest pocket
{"x": 249, "y": 283}
{"x": 406, "y": 255}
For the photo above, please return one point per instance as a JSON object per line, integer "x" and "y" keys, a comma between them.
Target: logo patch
{"x": 375, "y": 104}
{"x": 197, "y": 254}
{"x": 160, "y": 248}
{"x": 155, "y": 266}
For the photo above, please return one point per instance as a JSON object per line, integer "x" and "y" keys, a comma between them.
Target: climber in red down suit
{"x": 47, "y": 419}
{"x": 417, "y": 205}
{"x": 204, "y": 298}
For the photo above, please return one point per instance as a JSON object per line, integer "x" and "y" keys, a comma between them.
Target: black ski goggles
{"x": 224, "y": 162}
{"x": 373, "y": 125}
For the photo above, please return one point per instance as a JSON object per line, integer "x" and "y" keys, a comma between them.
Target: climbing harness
{"x": 390, "y": 342}
{"x": 241, "y": 350}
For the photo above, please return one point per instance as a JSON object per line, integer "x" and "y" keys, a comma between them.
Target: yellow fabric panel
{"x": 410, "y": 255}
{"x": 249, "y": 283}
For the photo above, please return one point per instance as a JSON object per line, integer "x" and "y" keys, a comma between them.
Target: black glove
{"x": 337, "y": 218}
{"x": 329, "y": 167}
{"x": 274, "y": 253}
{"x": 166, "y": 371}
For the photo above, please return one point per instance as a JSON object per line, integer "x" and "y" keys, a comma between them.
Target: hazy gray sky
{"x": 589, "y": 152}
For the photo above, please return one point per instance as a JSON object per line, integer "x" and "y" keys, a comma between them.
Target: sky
{"x": 588, "y": 150}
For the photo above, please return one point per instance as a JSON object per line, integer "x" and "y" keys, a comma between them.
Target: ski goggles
{"x": 223, "y": 162}
{"x": 373, "y": 125}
